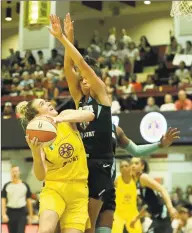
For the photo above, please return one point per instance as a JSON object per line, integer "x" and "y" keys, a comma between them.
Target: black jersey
{"x": 155, "y": 203}
{"x": 96, "y": 135}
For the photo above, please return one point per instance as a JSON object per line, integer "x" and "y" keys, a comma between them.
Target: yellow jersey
{"x": 126, "y": 197}
{"x": 66, "y": 157}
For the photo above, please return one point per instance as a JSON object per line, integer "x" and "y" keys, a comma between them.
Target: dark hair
{"x": 146, "y": 166}
{"x": 93, "y": 64}
{"x": 189, "y": 42}
{"x": 40, "y": 52}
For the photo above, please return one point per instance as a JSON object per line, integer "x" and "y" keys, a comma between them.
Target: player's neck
{"x": 126, "y": 178}
{"x": 16, "y": 180}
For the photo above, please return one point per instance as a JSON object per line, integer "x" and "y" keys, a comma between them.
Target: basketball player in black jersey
{"x": 90, "y": 93}
{"x": 149, "y": 191}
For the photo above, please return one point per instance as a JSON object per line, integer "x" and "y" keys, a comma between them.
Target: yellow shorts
{"x": 69, "y": 200}
{"x": 119, "y": 223}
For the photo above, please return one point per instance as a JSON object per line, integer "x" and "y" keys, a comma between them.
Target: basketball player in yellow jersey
{"x": 63, "y": 166}
{"x": 126, "y": 201}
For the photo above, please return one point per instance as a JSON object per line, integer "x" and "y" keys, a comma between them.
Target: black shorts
{"x": 160, "y": 225}
{"x": 101, "y": 178}
{"x": 109, "y": 201}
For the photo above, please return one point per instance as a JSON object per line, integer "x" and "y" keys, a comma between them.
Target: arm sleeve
{"x": 142, "y": 150}
{"x": 28, "y": 194}
{"x": 4, "y": 192}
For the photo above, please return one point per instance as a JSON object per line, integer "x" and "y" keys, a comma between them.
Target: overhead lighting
{"x": 8, "y": 16}
{"x": 147, "y": 2}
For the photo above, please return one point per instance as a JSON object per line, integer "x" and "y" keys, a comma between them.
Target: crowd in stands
{"x": 137, "y": 77}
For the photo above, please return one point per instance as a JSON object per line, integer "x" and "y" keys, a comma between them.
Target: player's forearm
{"x": 72, "y": 51}
{"x": 141, "y": 150}
{"x": 76, "y": 116}
{"x": 166, "y": 198}
{"x": 38, "y": 165}
{"x": 141, "y": 213}
{"x": 3, "y": 206}
{"x": 29, "y": 207}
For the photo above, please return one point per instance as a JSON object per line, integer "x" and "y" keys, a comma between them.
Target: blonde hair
{"x": 26, "y": 112}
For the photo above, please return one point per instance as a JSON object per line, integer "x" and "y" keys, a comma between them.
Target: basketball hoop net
{"x": 182, "y": 9}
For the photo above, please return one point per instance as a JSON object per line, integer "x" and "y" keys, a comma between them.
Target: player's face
{"x": 124, "y": 167}
{"x": 85, "y": 86}
{"x": 136, "y": 166}
{"x": 15, "y": 173}
{"x": 44, "y": 108}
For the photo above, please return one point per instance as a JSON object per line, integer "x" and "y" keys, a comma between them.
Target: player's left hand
{"x": 173, "y": 213}
{"x": 132, "y": 224}
{"x": 171, "y": 135}
{"x": 55, "y": 28}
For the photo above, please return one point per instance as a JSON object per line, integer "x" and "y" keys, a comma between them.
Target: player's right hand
{"x": 33, "y": 144}
{"x": 68, "y": 28}
{"x": 55, "y": 28}
{"x": 5, "y": 218}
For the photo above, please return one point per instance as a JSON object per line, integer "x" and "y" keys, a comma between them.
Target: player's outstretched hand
{"x": 33, "y": 144}
{"x": 68, "y": 28}
{"x": 55, "y": 28}
{"x": 171, "y": 135}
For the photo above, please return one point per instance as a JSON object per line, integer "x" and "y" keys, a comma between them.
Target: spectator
{"x": 168, "y": 105}
{"x": 183, "y": 103}
{"x": 28, "y": 59}
{"x": 109, "y": 86}
{"x": 5, "y": 74}
{"x": 128, "y": 97}
{"x": 39, "y": 72}
{"x": 183, "y": 74}
{"x": 147, "y": 55}
{"x": 16, "y": 196}
{"x": 57, "y": 72}
{"x": 188, "y": 48}
{"x": 52, "y": 91}
{"x": 176, "y": 200}
{"x": 116, "y": 67}
{"x": 96, "y": 40}
{"x": 122, "y": 51}
{"x": 161, "y": 74}
{"x": 136, "y": 85}
{"x": 189, "y": 194}
{"x": 112, "y": 38}
{"x": 8, "y": 111}
{"x": 185, "y": 221}
{"x": 133, "y": 55}
{"x": 108, "y": 51}
{"x": 94, "y": 51}
{"x": 55, "y": 58}
{"x": 27, "y": 91}
{"x": 18, "y": 58}
{"x": 40, "y": 60}
{"x": 27, "y": 81}
{"x": 125, "y": 38}
{"x": 149, "y": 83}
{"x": 172, "y": 49}
{"x": 11, "y": 59}
{"x": 39, "y": 91}
{"x": 115, "y": 106}
{"x": 14, "y": 90}
{"x": 151, "y": 106}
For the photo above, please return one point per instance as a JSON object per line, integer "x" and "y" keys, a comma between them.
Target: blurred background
{"x": 146, "y": 61}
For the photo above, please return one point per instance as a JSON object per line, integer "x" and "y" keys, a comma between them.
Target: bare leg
{"x": 94, "y": 208}
{"x": 106, "y": 219}
{"x": 48, "y": 221}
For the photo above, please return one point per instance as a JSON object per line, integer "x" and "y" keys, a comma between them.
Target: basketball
{"x": 42, "y": 128}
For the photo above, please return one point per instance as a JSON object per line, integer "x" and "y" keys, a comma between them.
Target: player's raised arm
{"x": 71, "y": 76}
{"x": 86, "y": 71}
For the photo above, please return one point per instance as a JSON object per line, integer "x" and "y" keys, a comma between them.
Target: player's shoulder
{"x": 6, "y": 184}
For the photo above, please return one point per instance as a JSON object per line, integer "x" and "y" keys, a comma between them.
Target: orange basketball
{"x": 42, "y": 128}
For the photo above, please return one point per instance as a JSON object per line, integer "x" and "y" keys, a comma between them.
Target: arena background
{"x": 173, "y": 166}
